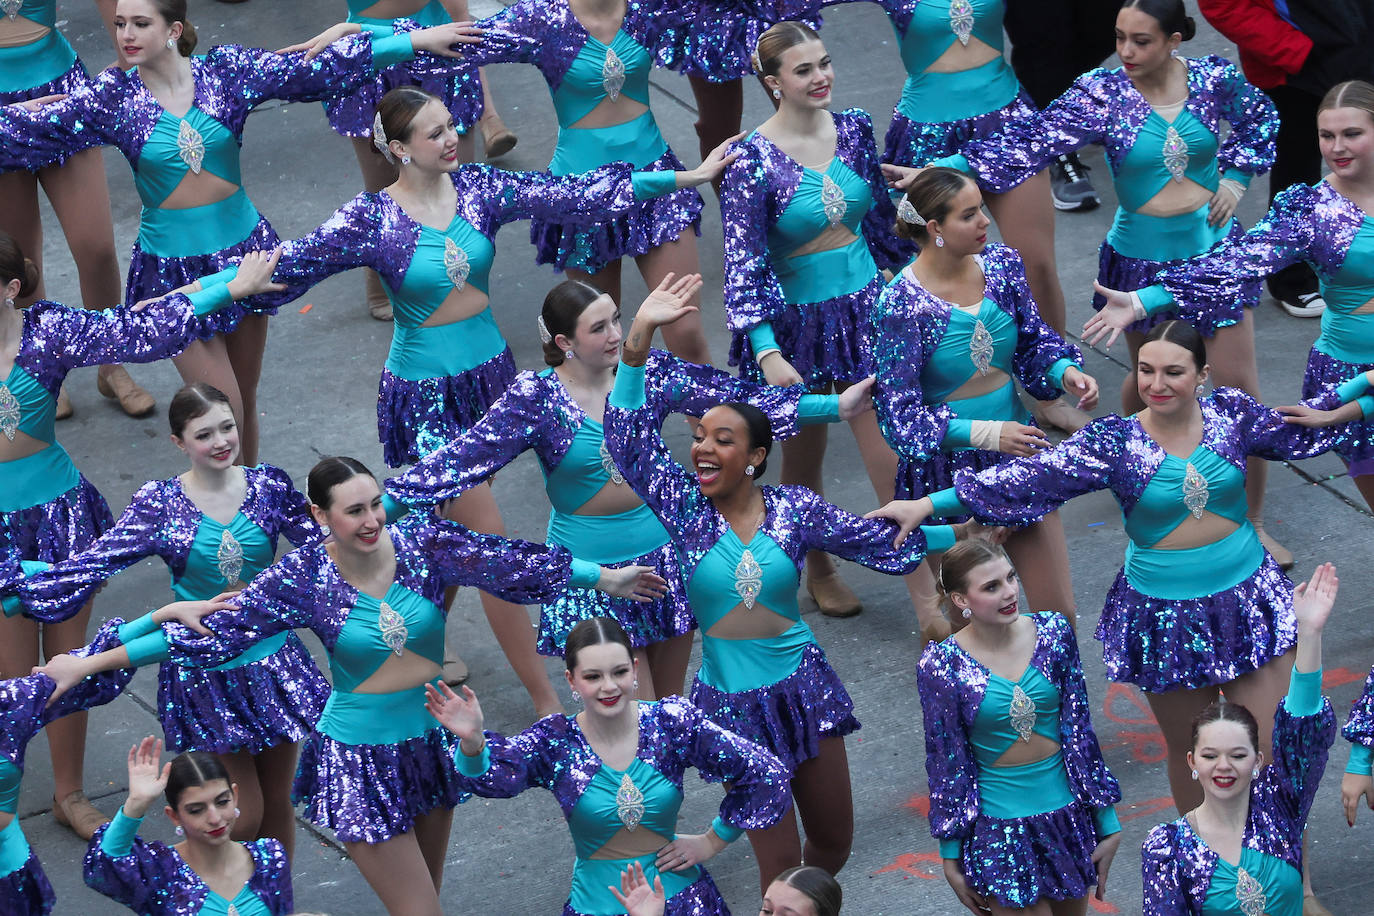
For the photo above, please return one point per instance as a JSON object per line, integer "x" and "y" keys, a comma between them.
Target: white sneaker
{"x": 1304, "y": 305}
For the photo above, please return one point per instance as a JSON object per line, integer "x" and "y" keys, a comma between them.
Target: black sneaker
{"x": 1069, "y": 185}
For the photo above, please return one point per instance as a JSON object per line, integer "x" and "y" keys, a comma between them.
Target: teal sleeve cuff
{"x": 139, "y": 626}
{"x": 584, "y": 574}
{"x": 210, "y": 298}
{"x": 818, "y": 408}
{"x": 1304, "y": 692}
{"x": 761, "y": 338}
{"x": 11, "y": 605}
{"x": 951, "y": 849}
{"x": 1366, "y": 403}
{"x": 1351, "y": 389}
{"x": 946, "y": 502}
{"x": 1106, "y": 820}
{"x": 628, "y": 393}
{"x": 939, "y": 538}
{"x": 393, "y": 508}
{"x": 391, "y": 50}
{"x": 472, "y": 767}
{"x": 1055, "y": 374}
{"x": 648, "y": 185}
{"x": 725, "y": 831}
{"x": 119, "y": 836}
{"x": 149, "y": 648}
{"x": 1237, "y": 175}
{"x": 221, "y": 276}
{"x": 1154, "y": 298}
{"x": 957, "y": 161}
{"x": 959, "y": 434}
{"x": 1361, "y": 760}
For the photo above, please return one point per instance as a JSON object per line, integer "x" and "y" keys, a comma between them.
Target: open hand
{"x": 1115, "y": 316}
{"x": 461, "y": 715}
{"x": 147, "y": 775}
{"x": 638, "y": 583}
{"x": 670, "y": 301}
{"x": 1081, "y": 385}
{"x": 637, "y": 896}
{"x": 255, "y": 274}
{"x": 313, "y": 46}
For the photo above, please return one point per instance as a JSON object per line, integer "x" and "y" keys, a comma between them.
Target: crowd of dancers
{"x": 860, "y": 286}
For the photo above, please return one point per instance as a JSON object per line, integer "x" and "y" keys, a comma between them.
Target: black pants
{"x": 1299, "y": 161}
{"x": 1054, "y": 42}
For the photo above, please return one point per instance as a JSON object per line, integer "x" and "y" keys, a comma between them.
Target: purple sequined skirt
{"x": 369, "y": 793}
{"x": 921, "y": 478}
{"x": 719, "y": 46}
{"x": 652, "y": 622}
{"x": 824, "y": 341}
{"x": 1162, "y": 644}
{"x": 248, "y": 708}
{"x": 461, "y": 94}
{"x": 1323, "y": 371}
{"x": 1021, "y": 860}
{"x": 653, "y": 223}
{"x": 151, "y": 276}
{"x": 58, "y": 528}
{"x": 1116, "y": 271}
{"x": 415, "y": 418}
{"x": 26, "y": 891}
{"x": 63, "y": 85}
{"x": 700, "y": 898}
{"x": 917, "y": 143}
{"x": 790, "y": 717}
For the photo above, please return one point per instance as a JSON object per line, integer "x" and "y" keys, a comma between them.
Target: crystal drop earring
{"x": 968, "y": 613}
{"x": 777, "y": 94}
{"x": 179, "y": 831}
{"x": 939, "y": 241}
{"x": 1195, "y": 774}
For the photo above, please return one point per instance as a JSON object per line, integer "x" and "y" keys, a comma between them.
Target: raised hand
{"x": 461, "y": 715}
{"x": 1313, "y": 599}
{"x": 670, "y": 300}
{"x": 147, "y": 776}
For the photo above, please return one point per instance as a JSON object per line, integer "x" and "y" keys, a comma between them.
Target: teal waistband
{"x": 942, "y": 97}
{"x": 581, "y": 149}
{"x": 376, "y": 718}
{"x": 14, "y": 848}
{"x": 260, "y": 650}
{"x": 1002, "y": 404}
{"x": 1024, "y": 790}
{"x": 608, "y": 538}
{"x": 1163, "y": 238}
{"x": 192, "y": 231}
{"x": 825, "y": 275}
{"x": 1347, "y": 337}
{"x": 591, "y": 877}
{"x": 30, "y": 66}
{"x": 34, "y": 480}
{"x": 445, "y": 349}
{"x": 1176, "y": 575}
{"x": 737, "y": 665}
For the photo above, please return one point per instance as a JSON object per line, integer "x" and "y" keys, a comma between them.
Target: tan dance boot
{"x": 115, "y": 383}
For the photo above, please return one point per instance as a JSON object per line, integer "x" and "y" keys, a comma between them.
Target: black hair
{"x": 328, "y": 474}
{"x": 564, "y": 304}
{"x": 1184, "y": 335}
{"x": 818, "y": 885}
{"x": 594, "y": 631}
{"x": 760, "y": 432}
{"x": 192, "y": 769}
{"x": 1171, "y": 15}
{"x": 1224, "y": 711}
{"x": 192, "y": 401}
{"x": 14, "y": 266}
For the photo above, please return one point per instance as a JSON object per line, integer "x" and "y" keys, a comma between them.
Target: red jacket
{"x": 1271, "y": 48}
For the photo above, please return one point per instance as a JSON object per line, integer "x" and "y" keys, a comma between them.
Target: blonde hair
{"x": 1350, "y": 94}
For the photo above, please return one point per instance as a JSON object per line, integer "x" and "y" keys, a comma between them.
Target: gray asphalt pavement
{"x": 318, "y": 398}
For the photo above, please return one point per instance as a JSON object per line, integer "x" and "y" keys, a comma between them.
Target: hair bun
{"x": 1189, "y": 28}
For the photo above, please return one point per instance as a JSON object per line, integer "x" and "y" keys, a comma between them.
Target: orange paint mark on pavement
{"x": 926, "y": 865}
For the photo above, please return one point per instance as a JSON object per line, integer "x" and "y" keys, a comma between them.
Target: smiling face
{"x": 1167, "y": 377}
{"x": 805, "y": 75}
{"x": 990, "y": 593}
{"x": 596, "y": 340}
{"x": 206, "y": 814}
{"x": 964, "y": 227}
{"x": 1346, "y": 138}
{"x": 355, "y": 514}
{"x": 210, "y": 440}
{"x": 1225, "y": 759}
{"x": 604, "y": 679}
{"x": 721, "y": 452}
{"x": 432, "y": 144}
{"x": 1141, "y": 44}
{"x": 141, "y": 32}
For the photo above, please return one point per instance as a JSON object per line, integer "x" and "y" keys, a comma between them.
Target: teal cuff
{"x": 1055, "y": 374}
{"x": 951, "y": 849}
{"x": 210, "y": 298}
{"x": 584, "y": 574}
{"x": 939, "y": 538}
{"x": 472, "y": 767}
{"x": 220, "y": 276}
{"x": 393, "y": 508}
{"x": 119, "y": 836}
{"x": 762, "y": 340}
{"x": 946, "y": 502}
{"x": 11, "y": 605}
{"x": 1304, "y": 693}
{"x": 628, "y": 393}
{"x": 1106, "y": 820}
{"x": 958, "y": 434}
{"x": 725, "y": 831}
{"x": 1361, "y": 760}
{"x": 818, "y": 408}
{"x": 391, "y": 50}
{"x": 648, "y": 185}
{"x": 1351, "y": 389}
{"x": 1155, "y": 298}
{"x": 1239, "y": 176}
{"x": 149, "y": 648}
{"x": 957, "y": 161}
{"x": 139, "y": 626}
{"x": 1366, "y": 403}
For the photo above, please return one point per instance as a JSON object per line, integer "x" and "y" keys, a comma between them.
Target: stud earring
{"x": 236, "y": 812}
{"x": 749, "y": 471}
{"x": 1254, "y": 774}
{"x": 777, "y": 94}
{"x": 1197, "y": 389}
{"x": 179, "y": 831}
{"x": 569, "y": 354}
{"x": 1195, "y": 774}
{"x": 636, "y": 684}
{"x": 9, "y": 302}
{"x": 405, "y": 160}
{"x": 939, "y": 241}
{"x": 171, "y": 44}
{"x": 968, "y": 613}
{"x": 324, "y": 530}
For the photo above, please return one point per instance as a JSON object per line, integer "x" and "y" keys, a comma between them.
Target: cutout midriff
{"x": 22, "y": 446}
{"x": 631, "y": 844}
{"x": 831, "y": 238}
{"x": 609, "y": 113}
{"x": 1197, "y": 532}
{"x": 611, "y": 499}
{"x": 393, "y": 9}
{"x": 400, "y": 672}
{"x": 1366, "y": 309}
{"x": 1175, "y": 198}
{"x": 458, "y": 305}
{"x": 959, "y": 57}
{"x": 198, "y": 191}
{"x": 757, "y": 622}
{"x": 5, "y": 818}
{"x": 1037, "y": 748}
{"x": 15, "y": 33}
{"x": 979, "y": 385}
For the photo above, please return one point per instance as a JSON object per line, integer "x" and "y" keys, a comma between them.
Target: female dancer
{"x": 1359, "y": 731}
{"x": 1020, "y": 797}
{"x": 559, "y": 413}
{"x": 1199, "y": 606}
{"x": 377, "y": 770}
{"x": 24, "y": 888}
{"x": 48, "y": 510}
{"x": 1159, "y": 118}
{"x": 216, "y": 527}
{"x": 179, "y": 121}
{"x": 431, "y": 237}
{"x": 37, "y": 61}
{"x": 741, "y": 549}
{"x": 206, "y": 871}
{"x": 803, "y": 890}
{"x": 616, "y": 769}
{"x": 806, "y": 215}
{"x": 1239, "y": 851}
{"x": 1327, "y": 225}
{"x": 951, "y": 332}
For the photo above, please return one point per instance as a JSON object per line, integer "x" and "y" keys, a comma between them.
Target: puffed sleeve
{"x": 1042, "y": 354}
{"x": 584, "y": 199}
{"x": 338, "y": 70}
{"x": 753, "y": 294}
{"x": 77, "y": 337}
{"x": 353, "y": 237}
{"x": 521, "y": 572}
{"x": 1359, "y": 730}
{"x": 1249, "y": 149}
{"x": 508, "y": 766}
{"x": 824, "y": 526}
{"x": 515, "y": 35}
{"x": 878, "y": 227}
{"x": 291, "y": 510}
{"x": 31, "y": 140}
{"x": 951, "y": 771}
{"x": 1093, "y": 783}
{"x": 1304, "y": 729}
{"x": 126, "y": 868}
{"x": 1263, "y": 432}
{"x": 1159, "y": 872}
{"x": 912, "y": 428}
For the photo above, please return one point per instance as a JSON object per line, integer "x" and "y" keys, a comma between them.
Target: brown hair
{"x": 594, "y": 631}
{"x": 817, "y": 885}
{"x": 398, "y": 109}
{"x": 1223, "y": 711}
{"x": 563, "y": 306}
{"x": 958, "y": 562}
{"x": 14, "y": 266}
{"x": 932, "y": 194}
{"x": 1182, "y": 334}
{"x": 1350, "y": 94}
{"x": 772, "y": 43}
{"x": 328, "y": 474}
{"x": 175, "y": 11}
{"x": 1171, "y": 15}
{"x": 192, "y": 769}
{"x": 192, "y": 401}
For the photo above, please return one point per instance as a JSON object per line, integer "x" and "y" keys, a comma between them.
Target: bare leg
{"x": 1041, "y": 557}
{"x": 1261, "y": 692}
{"x": 20, "y": 220}
{"x": 497, "y": 138}
{"x": 1039, "y": 908}
{"x": 1175, "y": 711}
{"x": 510, "y": 623}
{"x": 607, "y": 279}
{"x": 720, "y": 109}
{"x": 801, "y": 464}
{"x": 398, "y": 874}
{"x": 1365, "y": 484}
{"x": 67, "y": 736}
{"x": 244, "y": 774}
{"x": 1069, "y": 907}
{"x": 683, "y": 337}
{"x": 432, "y": 832}
{"x": 1130, "y": 392}
{"x": 777, "y": 848}
{"x": 276, "y": 768}
{"x": 245, "y": 346}
{"x": 668, "y": 662}
{"x": 824, "y": 801}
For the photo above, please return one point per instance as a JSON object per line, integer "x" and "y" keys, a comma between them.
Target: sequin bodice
{"x": 1260, "y": 885}
{"x": 26, "y": 407}
{"x": 963, "y": 351}
{"x": 721, "y": 581}
{"x": 602, "y": 71}
{"x": 1204, "y": 480}
{"x": 180, "y": 146}
{"x": 586, "y": 468}
{"x": 223, "y": 557}
{"x": 374, "y": 629}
